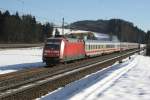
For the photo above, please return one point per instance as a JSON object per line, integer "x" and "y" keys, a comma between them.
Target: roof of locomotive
{"x": 65, "y": 38}
{"x": 55, "y": 38}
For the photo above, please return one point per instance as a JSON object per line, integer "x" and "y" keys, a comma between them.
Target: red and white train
{"x": 60, "y": 49}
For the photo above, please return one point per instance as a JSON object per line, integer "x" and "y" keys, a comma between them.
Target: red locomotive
{"x": 62, "y": 50}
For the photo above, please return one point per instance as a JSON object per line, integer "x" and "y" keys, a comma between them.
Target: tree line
{"x": 22, "y": 29}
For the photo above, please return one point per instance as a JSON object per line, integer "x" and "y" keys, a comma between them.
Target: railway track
{"x": 33, "y": 83}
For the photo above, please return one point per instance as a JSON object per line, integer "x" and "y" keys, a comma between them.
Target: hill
{"x": 124, "y": 30}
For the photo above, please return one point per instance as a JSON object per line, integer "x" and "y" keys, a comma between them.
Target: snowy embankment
{"x": 127, "y": 81}
{"x": 17, "y": 59}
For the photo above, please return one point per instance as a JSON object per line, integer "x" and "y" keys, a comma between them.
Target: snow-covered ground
{"x": 129, "y": 80}
{"x": 126, "y": 81}
{"x": 21, "y": 58}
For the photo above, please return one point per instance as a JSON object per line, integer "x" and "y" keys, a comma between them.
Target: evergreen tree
{"x": 48, "y": 29}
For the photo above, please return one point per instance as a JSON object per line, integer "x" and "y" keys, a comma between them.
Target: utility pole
{"x": 63, "y": 26}
{"x": 120, "y": 32}
{"x": 121, "y": 47}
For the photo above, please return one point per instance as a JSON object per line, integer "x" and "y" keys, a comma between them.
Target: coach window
{"x": 112, "y": 46}
{"x": 89, "y": 47}
{"x": 106, "y": 46}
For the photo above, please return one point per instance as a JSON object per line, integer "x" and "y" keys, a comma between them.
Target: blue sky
{"x": 136, "y": 11}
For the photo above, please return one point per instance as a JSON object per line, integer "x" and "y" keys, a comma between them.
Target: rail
{"x": 47, "y": 84}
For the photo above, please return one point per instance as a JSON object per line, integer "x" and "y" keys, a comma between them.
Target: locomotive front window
{"x": 53, "y": 40}
{"x": 53, "y": 46}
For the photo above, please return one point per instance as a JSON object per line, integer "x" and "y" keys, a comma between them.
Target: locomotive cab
{"x": 51, "y": 51}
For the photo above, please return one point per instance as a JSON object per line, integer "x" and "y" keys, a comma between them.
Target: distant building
{"x": 61, "y": 31}
{"x": 80, "y": 34}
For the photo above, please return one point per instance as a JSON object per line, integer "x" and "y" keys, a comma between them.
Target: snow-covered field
{"x": 18, "y": 59}
{"x": 127, "y": 81}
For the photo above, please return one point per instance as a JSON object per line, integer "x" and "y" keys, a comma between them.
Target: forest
{"x": 22, "y": 29}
